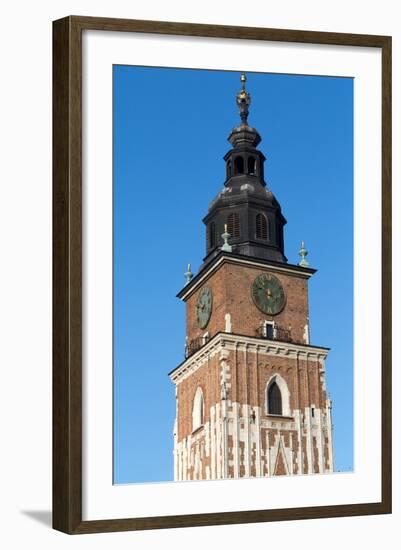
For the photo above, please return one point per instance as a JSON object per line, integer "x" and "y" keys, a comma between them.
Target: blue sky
{"x": 170, "y": 134}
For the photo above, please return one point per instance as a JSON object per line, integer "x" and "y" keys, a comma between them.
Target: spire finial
{"x": 303, "y": 253}
{"x": 188, "y": 274}
{"x": 243, "y": 100}
{"x": 226, "y": 247}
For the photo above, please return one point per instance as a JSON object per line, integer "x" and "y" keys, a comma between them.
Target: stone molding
{"x": 233, "y": 342}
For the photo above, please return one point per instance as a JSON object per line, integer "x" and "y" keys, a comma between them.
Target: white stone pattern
{"x": 228, "y": 327}
{"x": 212, "y": 442}
{"x": 257, "y": 441}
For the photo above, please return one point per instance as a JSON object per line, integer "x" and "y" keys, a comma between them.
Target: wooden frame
{"x": 67, "y": 274}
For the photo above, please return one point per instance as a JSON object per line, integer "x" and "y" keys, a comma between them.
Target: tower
{"x": 250, "y": 395}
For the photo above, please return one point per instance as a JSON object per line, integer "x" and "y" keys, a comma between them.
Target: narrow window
{"x": 261, "y": 227}
{"x": 201, "y": 411}
{"x": 269, "y": 331}
{"x": 228, "y": 169}
{"x": 198, "y": 410}
{"x": 239, "y": 165}
{"x": 274, "y": 399}
{"x": 212, "y": 235}
{"x": 233, "y": 225}
{"x": 251, "y": 166}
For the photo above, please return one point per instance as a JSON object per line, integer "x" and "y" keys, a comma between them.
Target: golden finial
{"x": 243, "y": 100}
{"x": 225, "y": 228}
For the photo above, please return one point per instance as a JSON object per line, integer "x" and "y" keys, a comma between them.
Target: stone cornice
{"x": 225, "y": 257}
{"x": 231, "y": 342}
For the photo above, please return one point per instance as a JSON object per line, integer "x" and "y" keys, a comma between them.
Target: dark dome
{"x": 245, "y": 205}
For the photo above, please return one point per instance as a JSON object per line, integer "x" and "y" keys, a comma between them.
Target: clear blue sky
{"x": 170, "y": 134}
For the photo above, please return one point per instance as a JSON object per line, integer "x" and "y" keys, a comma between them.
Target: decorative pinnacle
{"x": 226, "y": 247}
{"x": 303, "y": 253}
{"x": 188, "y": 274}
{"x": 243, "y": 101}
{"x": 329, "y": 402}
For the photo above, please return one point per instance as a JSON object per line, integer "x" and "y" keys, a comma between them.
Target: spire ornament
{"x": 303, "y": 253}
{"x": 243, "y": 101}
{"x": 226, "y": 247}
{"x": 188, "y": 274}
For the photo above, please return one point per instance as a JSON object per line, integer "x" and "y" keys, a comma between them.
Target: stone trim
{"x": 232, "y": 342}
{"x": 291, "y": 269}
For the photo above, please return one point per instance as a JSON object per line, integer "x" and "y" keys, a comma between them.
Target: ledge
{"x": 280, "y": 417}
{"x": 226, "y": 339}
{"x": 230, "y": 257}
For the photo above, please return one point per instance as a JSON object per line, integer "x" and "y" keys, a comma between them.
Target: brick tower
{"x": 250, "y": 395}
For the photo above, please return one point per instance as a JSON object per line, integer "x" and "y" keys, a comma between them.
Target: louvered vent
{"x": 261, "y": 227}
{"x": 233, "y": 225}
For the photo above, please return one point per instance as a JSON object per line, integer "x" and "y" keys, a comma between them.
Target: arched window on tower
{"x": 251, "y": 166}
{"x": 212, "y": 235}
{"x": 239, "y": 165}
{"x": 274, "y": 400}
{"x": 198, "y": 410}
{"x": 228, "y": 169}
{"x": 262, "y": 227}
{"x": 233, "y": 225}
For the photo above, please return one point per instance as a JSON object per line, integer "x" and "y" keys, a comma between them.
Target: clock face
{"x": 204, "y": 306}
{"x": 268, "y": 294}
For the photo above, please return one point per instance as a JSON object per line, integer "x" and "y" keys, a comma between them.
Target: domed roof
{"x": 245, "y": 204}
{"x": 244, "y": 134}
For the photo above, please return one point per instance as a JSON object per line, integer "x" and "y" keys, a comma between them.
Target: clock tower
{"x": 251, "y": 397}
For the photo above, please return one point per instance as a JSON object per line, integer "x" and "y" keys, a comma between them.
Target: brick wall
{"x": 250, "y": 373}
{"x": 247, "y": 371}
{"x": 231, "y": 288}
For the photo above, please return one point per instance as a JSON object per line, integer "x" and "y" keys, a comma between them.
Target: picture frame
{"x": 68, "y": 296}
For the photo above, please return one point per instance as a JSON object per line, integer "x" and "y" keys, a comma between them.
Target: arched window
{"x": 228, "y": 168}
{"x": 239, "y": 165}
{"x": 251, "y": 166}
{"x": 274, "y": 401}
{"x": 261, "y": 227}
{"x": 277, "y": 396}
{"x": 233, "y": 225}
{"x": 198, "y": 410}
{"x": 212, "y": 235}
